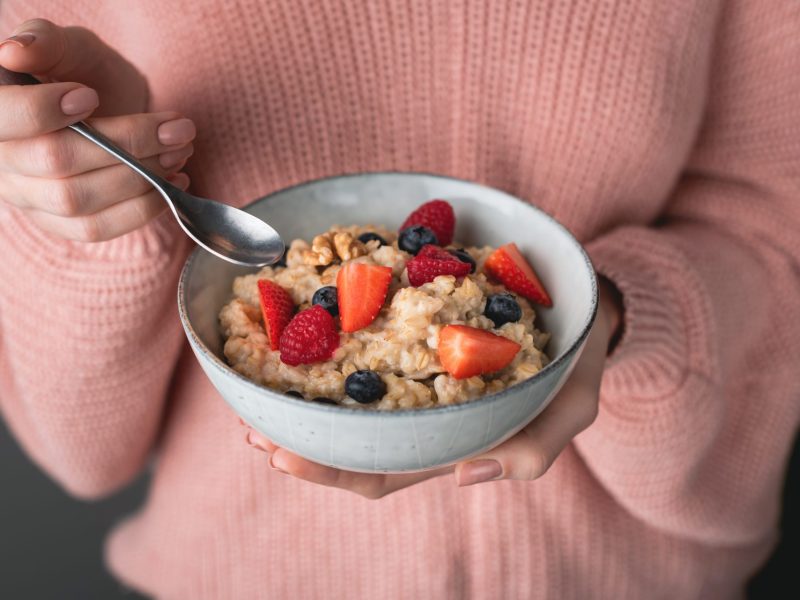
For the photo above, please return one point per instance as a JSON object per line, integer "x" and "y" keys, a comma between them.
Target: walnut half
{"x": 348, "y": 247}
{"x": 321, "y": 253}
{"x": 327, "y": 247}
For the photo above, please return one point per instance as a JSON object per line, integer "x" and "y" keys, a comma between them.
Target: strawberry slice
{"x": 361, "y": 290}
{"x": 467, "y": 351}
{"x": 432, "y": 261}
{"x": 436, "y": 215}
{"x": 277, "y": 308}
{"x": 509, "y": 267}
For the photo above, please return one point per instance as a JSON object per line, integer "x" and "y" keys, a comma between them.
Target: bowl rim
{"x": 225, "y": 369}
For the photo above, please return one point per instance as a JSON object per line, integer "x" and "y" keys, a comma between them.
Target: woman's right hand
{"x": 62, "y": 182}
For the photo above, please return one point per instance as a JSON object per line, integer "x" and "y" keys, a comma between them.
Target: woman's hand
{"x": 527, "y": 455}
{"x": 65, "y": 184}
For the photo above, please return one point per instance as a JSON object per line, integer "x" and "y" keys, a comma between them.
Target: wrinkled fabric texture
{"x": 664, "y": 134}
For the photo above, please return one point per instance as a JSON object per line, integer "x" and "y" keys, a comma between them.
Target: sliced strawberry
{"x": 362, "y": 291}
{"x": 467, "y": 351}
{"x": 277, "y": 308}
{"x": 507, "y": 265}
{"x": 436, "y": 215}
{"x": 309, "y": 337}
{"x": 432, "y": 261}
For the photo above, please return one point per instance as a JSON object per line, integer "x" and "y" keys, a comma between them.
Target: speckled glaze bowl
{"x": 403, "y": 440}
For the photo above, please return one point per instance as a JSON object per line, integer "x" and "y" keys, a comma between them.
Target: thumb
{"x": 530, "y": 453}
{"x": 75, "y": 54}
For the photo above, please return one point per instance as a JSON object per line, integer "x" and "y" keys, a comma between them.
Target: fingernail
{"x": 79, "y": 101}
{"x": 273, "y": 466}
{"x": 22, "y": 40}
{"x": 177, "y": 131}
{"x": 252, "y": 441}
{"x": 172, "y": 159}
{"x": 479, "y": 471}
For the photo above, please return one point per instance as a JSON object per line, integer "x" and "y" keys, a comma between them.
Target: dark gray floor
{"x": 50, "y": 544}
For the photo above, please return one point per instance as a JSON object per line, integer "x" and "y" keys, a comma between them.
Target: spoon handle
{"x": 90, "y": 133}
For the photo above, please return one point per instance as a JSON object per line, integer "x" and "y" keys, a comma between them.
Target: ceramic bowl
{"x": 403, "y": 440}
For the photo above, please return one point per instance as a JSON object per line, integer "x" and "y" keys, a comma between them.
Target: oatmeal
{"x": 390, "y": 359}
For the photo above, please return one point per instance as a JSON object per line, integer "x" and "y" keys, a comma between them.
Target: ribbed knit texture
{"x": 665, "y": 134}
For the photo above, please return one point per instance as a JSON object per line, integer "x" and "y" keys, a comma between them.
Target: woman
{"x": 664, "y": 134}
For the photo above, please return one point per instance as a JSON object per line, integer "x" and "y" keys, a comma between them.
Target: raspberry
{"x": 436, "y": 215}
{"x": 431, "y": 262}
{"x": 309, "y": 337}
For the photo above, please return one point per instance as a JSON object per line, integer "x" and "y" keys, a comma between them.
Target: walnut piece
{"x": 347, "y": 246}
{"x": 327, "y": 247}
{"x": 321, "y": 253}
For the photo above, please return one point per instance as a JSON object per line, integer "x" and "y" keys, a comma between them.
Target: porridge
{"x": 363, "y": 316}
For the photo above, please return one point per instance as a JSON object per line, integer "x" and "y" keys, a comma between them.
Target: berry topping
{"x": 323, "y": 400}
{"x": 294, "y": 393}
{"x": 507, "y": 265}
{"x": 327, "y": 298}
{"x": 413, "y": 238}
{"x": 431, "y": 262}
{"x": 467, "y": 351}
{"x": 464, "y": 256}
{"x": 364, "y": 386}
{"x": 368, "y": 236}
{"x": 362, "y": 291}
{"x": 436, "y": 215}
{"x": 276, "y": 307}
{"x": 309, "y": 337}
{"x": 502, "y": 308}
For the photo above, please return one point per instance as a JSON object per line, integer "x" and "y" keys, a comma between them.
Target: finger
{"x": 40, "y": 47}
{"x": 530, "y": 453}
{"x": 32, "y": 110}
{"x": 64, "y": 153}
{"x": 255, "y": 440}
{"x": 368, "y": 485}
{"x": 111, "y": 222}
{"x": 87, "y": 193}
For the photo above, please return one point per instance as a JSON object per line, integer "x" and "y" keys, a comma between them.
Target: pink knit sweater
{"x": 664, "y": 133}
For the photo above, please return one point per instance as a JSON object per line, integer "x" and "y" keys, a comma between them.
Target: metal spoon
{"x": 223, "y": 230}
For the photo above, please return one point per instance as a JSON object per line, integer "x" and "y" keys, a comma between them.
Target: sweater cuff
{"x": 665, "y": 325}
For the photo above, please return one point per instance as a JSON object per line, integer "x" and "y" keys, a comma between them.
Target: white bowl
{"x": 403, "y": 440}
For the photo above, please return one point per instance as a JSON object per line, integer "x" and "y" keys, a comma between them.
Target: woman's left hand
{"x": 526, "y": 456}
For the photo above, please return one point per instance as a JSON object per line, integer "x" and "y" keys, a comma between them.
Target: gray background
{"x": 51, "y": 545}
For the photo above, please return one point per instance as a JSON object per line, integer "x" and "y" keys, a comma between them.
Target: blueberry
{"x": 464, "y": 256}
{"x": 502, "y": 308}
{"x": 327, "y": 299}
{"x": 364, "y": 386}
{"x": 368, "y": 236}
{"x": 294, "y": 393}
{"x": 323, "y": 400}
{"x": 413, "y": 238}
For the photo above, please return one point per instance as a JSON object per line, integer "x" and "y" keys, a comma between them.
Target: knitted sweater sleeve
{"x": 703, "y": 390}
{"x": 89, "y": 337}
